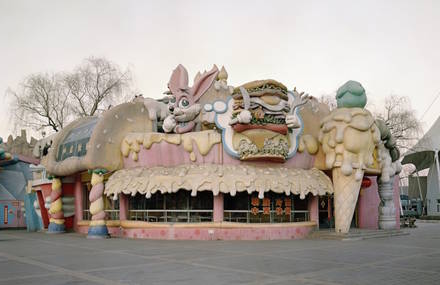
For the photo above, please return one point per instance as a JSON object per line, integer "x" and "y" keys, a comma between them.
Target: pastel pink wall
{"x": 218, "y": 206}
{"x": 123, "y": 207}
{"x": 165, "y": 154}
{"x": 169, "y": 232}
{"x": 368, "y": 206}
{"x": 269, "y": 233}
{"x": 78, "y": 202}
{"x": 313, "y": 208}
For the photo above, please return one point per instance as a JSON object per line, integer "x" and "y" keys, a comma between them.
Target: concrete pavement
{"x": 39, "y": 258}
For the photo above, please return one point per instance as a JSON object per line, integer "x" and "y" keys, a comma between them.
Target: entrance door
{"x": 326, "y": 213}
{"x": 326, "y": 217}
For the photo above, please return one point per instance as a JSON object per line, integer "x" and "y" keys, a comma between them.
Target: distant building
{"x": 425, "y": 155}
{"x": 16, "y": 207}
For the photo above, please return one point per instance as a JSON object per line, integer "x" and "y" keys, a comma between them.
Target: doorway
{"x": 326, "y": 213}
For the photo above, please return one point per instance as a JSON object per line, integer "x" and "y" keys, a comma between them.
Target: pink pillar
{"x": 123, "y": 207}
{"x": 218, "y": 208}
{"x": 313, "y": 208}
{"x": 368, "y": 203}
{"x": 78, "y": 193}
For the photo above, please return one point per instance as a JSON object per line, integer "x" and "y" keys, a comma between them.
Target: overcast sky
{"x": 391, "y": 47}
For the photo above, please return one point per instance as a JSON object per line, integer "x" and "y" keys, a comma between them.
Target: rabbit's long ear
{"x": 178, "y": 80}
{"x": 203, "y": 83}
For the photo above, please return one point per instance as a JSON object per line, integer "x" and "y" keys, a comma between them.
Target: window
{"x": 273, "y": 208}
{"x": 111, "y": 207}
{"x": 173, "y": 207}
{"x": 86, "y": 202}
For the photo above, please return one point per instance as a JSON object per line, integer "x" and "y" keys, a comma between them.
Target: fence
{"x": 197, "y": 216}
{"x": 170, "y": 216}
{"x": 246, "y": 216}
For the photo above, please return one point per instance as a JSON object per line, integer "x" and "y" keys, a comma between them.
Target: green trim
{"x": 99, "y": 171}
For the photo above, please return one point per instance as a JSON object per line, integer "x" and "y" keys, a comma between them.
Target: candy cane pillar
{"x": 97, "y": 228}
{"x": 56, "y": 220}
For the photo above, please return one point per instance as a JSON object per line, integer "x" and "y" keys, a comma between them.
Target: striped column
{"x": 97, "y": 228}
{"x": 56, "y": 220}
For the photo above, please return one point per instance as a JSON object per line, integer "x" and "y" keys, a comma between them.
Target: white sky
{"x": 391, "y": 47}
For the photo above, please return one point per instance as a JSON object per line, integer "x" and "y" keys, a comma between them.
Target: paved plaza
{"x": 39, "y": 258}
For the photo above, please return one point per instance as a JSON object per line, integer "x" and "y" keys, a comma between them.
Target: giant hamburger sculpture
{"x": 262, "y": 114}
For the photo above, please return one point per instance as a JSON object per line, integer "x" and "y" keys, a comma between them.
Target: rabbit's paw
{"x": 169, "y": 124}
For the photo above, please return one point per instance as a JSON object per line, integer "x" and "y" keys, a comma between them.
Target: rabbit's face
{"x": 183, "y": 107}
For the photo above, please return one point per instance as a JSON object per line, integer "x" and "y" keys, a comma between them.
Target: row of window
{"x": 181, "y": 207}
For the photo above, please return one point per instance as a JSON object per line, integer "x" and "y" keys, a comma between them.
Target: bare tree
{"x": 41, "y": 101}
{"x": 401, "y": 120}
{"x": 329, "y": 100}
{"x": 49, "y": 101}
{"x": 95, "y": 83}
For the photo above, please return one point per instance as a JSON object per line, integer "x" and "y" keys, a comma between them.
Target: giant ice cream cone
{"x": 345, "y": 198}
{"x": 348, "y": 136}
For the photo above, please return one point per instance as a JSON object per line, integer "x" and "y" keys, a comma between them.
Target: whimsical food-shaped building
{"x": 211, "y": 161}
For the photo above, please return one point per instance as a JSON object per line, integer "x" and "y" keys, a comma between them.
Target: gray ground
{"x": 38, "y": 258}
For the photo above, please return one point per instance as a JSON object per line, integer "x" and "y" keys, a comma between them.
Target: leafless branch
{"x": 52, "y": 100}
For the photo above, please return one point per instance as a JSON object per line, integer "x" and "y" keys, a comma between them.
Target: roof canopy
{"x": 219, "y": 178}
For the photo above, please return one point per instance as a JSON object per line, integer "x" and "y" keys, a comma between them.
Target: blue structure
{"x": 14, "y": 177}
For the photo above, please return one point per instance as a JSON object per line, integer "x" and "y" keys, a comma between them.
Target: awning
{"x": 218, "y": 178}
{"x": 422, "y": 154}
{"x": 421, "y": 159}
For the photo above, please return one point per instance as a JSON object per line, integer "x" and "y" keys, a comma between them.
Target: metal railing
{"x": 171, "y": 216}
{"x": 197, "y": 216}
{"x": 246, "y": 216}
{"x": 111, "y": 215}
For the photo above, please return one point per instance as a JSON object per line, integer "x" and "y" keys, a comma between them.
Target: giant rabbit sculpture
{"x": 183, "y": 105}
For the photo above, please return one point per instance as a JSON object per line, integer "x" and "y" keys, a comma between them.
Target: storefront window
{"x": 173, "y": 207}
{"x": 111, "y": 207}
{"x": 273, "y": 208}
{"x": 85, "y": 201}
